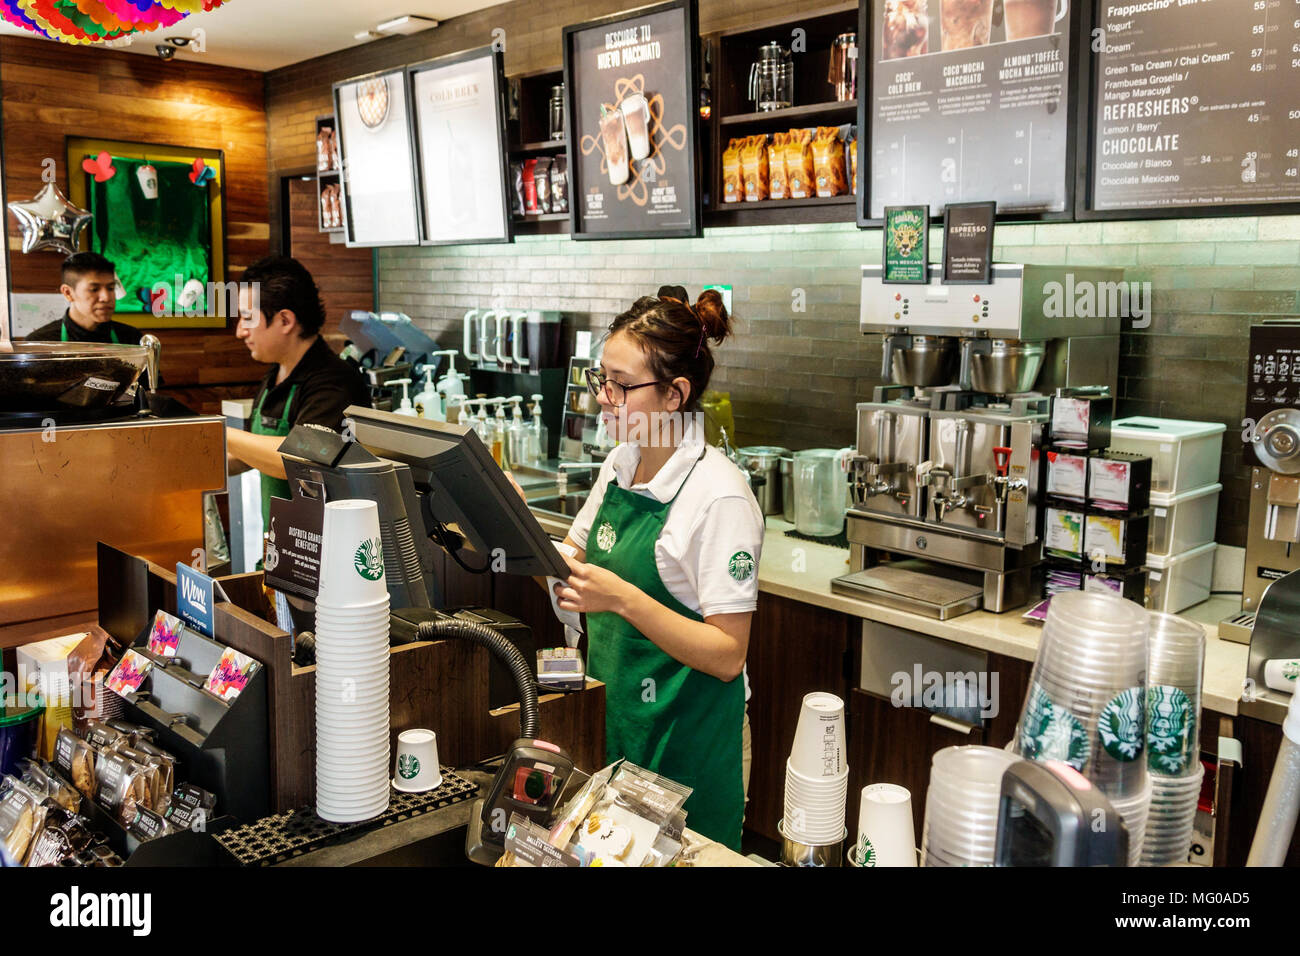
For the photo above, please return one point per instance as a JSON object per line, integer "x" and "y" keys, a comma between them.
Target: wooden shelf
{"x": 550, "y": 144}
{"x": 543, "y": 217}
{"x": 847, "y": 108}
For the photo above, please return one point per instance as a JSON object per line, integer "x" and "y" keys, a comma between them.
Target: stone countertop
{"x": 802, "y": 571}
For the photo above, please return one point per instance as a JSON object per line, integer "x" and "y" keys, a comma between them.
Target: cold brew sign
{"x": 630, "y": 82}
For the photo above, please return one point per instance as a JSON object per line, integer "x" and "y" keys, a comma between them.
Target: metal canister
{"x": 764, "y": 461}
{"x": 787, "y": 487}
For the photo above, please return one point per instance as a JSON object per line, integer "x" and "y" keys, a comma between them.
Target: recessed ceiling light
{"x": 407, "y": 24}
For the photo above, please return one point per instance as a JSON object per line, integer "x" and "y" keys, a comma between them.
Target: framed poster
{"x": 1193, "y": 111}
{"x": 458, "y": 117}
{"x": 380, "y": 201}
{"x": 968, "y": 243}
{"x": 966, "y": 99}
{"x": 630, "y": 82}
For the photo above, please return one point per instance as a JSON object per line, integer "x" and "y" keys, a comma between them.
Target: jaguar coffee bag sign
{"x": 907, "y": 245}
{"x": 630, "y": 83}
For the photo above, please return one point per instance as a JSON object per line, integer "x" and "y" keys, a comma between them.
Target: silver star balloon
{"x": 49, "y": 221}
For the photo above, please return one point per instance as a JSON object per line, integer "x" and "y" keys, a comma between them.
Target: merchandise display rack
{"x": 281, "y": 837}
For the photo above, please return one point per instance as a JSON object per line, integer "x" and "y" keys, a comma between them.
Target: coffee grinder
{"x": 948, "y": 452}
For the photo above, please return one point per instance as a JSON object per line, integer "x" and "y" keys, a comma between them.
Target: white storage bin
{"x": 1182, "y": 522}
{"x": 1175, "y": 582}
{"x": 1184, "y": 455}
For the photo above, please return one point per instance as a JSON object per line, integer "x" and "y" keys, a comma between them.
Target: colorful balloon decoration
{"x": 49, "y": 221}
{"x": 98, "y": 21}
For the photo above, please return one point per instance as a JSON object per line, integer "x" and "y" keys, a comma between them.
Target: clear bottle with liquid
{"x": 498, "y": 434}
{"x": 428, "y": 403}
{"x": 518, "y": 436}
{"x": 540, "y": 443}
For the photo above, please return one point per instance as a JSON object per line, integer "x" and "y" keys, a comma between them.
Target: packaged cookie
{"x": 47, "y": 783}
{"x": 153, "y": 774}
{"x": 733, "y": 181}
{"x": 777, "y": 188}
{"x": 22, "y": 814}
{"x": 799, "y": 172}
{"x": 123, "y": 786}
{"x": 149, "y": 825}
{"x": 64, "y": 836}
{"x": 754, "y": 168}
{"x": 166, "y": 774}
{"x": 135, "y": 732}
{"x": 76, "y": 761}
{"x": 190, "y": 807}
{"x": 828, "y": 162}
{"x": 104, "y": 736}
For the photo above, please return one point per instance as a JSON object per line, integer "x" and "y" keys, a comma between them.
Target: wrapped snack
{"x": 149, "y": 825}
{"x": 753, "y": 166}
{"x": 560, "y": 184}
{"x": 46, "y": 783}
{"x": 627, "y": 822}
{"x": 63, "y": 837}
{"x": 166, "y": 775}
{"x": 76, "y": 760}
{"x": 94, "y": 656}
{"x": 135, "y": 732}
{"x": 22, "y": 815}
{"x": 828, "y": 162}
{"x": 799, "y": 172}
{"x": 576, "y": 810}
{"x": 123, "y": 786}
{"x": 853, "y": 162}
{"x": 778, "y": 189}
{"x": 104, "y": 736}
{"x": 530, "y": 187}
{"x": 542, "y": 178}
{"x": 190, "y": 807}
{"x": 517, "y": 188}
{"x": 733, "y": 181}
{"x": 527, "y": 845}
{"x": 153, "y": 775}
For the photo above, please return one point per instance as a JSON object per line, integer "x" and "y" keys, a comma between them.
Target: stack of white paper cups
{"x": 961, "y": 806}
{"x": 1086, "y": 704}
{"x": 1177, "y": 658}
{"x": 816, "y": 774}
{"x": 352, "y": 754}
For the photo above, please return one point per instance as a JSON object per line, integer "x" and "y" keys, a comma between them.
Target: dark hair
{"x": 86, "y": 263}
{"x": 675, "y": 336}
{"x": 284, "y": 283}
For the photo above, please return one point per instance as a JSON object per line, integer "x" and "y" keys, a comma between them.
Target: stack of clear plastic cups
{"x": 1177, "y": 661}
{"x": 1086, "y": 704}
{"x": 961, "y": 806}
{"x": 816, "y": 774}
{"x": 352, "y": 738}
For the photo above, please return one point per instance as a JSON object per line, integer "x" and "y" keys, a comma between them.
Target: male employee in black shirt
{"x": 90, "y": 286}
{"x": 280, "y": 316}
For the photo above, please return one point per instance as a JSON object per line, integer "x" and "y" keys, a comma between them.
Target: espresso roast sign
{"x": 632, "y": 149}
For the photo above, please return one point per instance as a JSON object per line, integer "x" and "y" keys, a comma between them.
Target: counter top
{"x": 802, "y": 571}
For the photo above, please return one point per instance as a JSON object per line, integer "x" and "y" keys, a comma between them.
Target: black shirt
{"x": 126, "y": 334}
{"x": 326, "y": 386}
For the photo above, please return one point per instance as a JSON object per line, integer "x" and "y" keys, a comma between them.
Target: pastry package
{"x": 75, "y": 759}
{"x": 754, "y": 168}
{"x": 190, "y": 807}
{"x": 560, "y": 184}
{"x": 102, "y": 735}
{"x": 572, "y": 814}
{"x": 828, "y": 162}
{"x": 166, "y": 764}
{"x": 528, "y": 845}
{"x": 626, "y": 824}
{"x": 542, "y": 180}
{"x": 799, "y": 171}
{"x": 777, "y": 187}
{"x": 22, "y": 814}
{"x": 149, "y": 825}
{"x": 45, "y": 782}
{"x": 88, "y": 667}
{"x": 733, "y": 181}
{"x": 124, "y": 786}
{"x": 153, "y": 775}
{"x": 64, "y": 837}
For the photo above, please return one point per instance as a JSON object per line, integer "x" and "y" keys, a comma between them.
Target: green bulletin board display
{"x": 151, "y": 240}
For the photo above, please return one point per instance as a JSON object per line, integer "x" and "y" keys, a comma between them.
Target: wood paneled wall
{"x": 345, "y": 276}
{"x": 52, "y": 91}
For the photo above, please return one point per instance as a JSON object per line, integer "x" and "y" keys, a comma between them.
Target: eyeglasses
{"x": 615, "y": 392}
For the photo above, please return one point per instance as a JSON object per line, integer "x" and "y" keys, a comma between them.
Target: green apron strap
{"x": 272, "y": 487}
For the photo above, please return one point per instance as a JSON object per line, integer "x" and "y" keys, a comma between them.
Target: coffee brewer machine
{"x": 947, "y": 465}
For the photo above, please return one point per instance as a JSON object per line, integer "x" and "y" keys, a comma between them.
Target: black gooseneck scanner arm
{"x": 505, "y": 651}
{"x": 447, "y": 539}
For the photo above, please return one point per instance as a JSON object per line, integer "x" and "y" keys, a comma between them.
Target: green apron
{"x": 272, "y": 487}
{"x": 63, "y": 333}
{"x": 659, "y": 713}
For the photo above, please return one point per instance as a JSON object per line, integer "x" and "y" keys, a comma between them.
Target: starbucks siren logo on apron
{"x": 1170, "y": 725}
{"x": 741, "y": 566}
{"x": 605, "y": 536}
{"x": 369, "y": 560}
{"x": 1050, "y": 732}
{"x": 1120, "y": 725}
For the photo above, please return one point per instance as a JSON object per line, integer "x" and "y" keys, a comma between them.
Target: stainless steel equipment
{"x": 557, "y": 112}
{"x": 947, "y": 464}
{"x": 771, "y": 78}
{"x": 1273, "y": 637}
{"x": 764, "y": 461}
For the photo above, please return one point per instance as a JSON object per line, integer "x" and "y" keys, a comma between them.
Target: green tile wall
{"x": 795, "y": 376}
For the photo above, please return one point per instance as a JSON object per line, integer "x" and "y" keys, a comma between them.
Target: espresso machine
{"x": 945, "y": 482}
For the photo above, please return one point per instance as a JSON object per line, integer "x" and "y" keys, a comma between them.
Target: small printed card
{"x": 229, "y": 678}
{"x": 129, "y": 674}
{"x": 166, "y": 634}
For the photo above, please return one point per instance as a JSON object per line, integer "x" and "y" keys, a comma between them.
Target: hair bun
{"x": 713, "y": 315}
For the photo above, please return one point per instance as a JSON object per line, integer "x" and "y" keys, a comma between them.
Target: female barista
{"x": 667, "y": 566}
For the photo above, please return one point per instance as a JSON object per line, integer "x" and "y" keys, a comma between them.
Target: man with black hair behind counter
{"x": 89, "y": 283}
{"x": 280, "y": 318}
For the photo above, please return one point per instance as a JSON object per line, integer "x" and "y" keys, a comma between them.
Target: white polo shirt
{"x": 709, "y": 549}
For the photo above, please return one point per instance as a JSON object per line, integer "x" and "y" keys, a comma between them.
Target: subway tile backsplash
{"x": 798, "y": 364}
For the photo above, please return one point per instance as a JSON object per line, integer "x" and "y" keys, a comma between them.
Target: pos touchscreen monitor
{"x": 468, "y": 505}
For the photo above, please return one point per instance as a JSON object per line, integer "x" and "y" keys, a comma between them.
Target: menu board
{"x": 630, "y": 82}
{"x": 460, "y": 143}
{"x": 380, "y": 201}
{"x": 1195, "y": 103}
{"x": 969, "y": 101}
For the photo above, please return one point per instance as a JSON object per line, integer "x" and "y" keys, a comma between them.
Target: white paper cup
{"x": 818, "y": 749}
{"x": 352, "y": 557}
{"x": 416, "y": 768}
{"x": 886, "y": 833}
